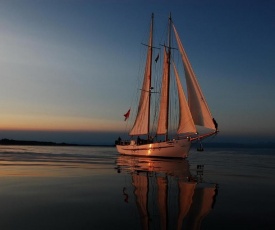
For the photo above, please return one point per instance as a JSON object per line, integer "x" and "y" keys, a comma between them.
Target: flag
{"x": 126, "y": 115}
{"x": 157, "y": 58}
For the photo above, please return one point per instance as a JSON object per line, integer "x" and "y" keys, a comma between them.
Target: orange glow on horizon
{"x": 50, "y": 123}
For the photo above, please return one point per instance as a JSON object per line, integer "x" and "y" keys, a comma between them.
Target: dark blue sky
{"x": 71, "y": 65}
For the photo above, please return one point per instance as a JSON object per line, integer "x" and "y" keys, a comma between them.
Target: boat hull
{"x": 171, "y": 149}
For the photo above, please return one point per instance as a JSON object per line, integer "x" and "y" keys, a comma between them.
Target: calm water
{"x": 94, "y": 188}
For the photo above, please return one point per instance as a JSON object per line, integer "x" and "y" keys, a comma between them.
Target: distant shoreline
{"x": 6, "y": 141}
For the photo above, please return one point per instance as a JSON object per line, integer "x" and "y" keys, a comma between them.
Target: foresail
{"x": 141, "y": 125}
{"x": 186, "y": 124}
{"x": 197, "y": 103}
{"x": 162, "y": 121}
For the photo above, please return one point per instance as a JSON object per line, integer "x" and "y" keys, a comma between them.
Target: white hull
{"x": 173, "y": 148}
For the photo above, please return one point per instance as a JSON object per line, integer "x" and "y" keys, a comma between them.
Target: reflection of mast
{"x": 162, "y": 201}
{"x": 140, "y": 183}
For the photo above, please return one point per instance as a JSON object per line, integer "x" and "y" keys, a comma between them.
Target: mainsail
{"x": 164, "y": 97}
{"x": 141, "y": 125}
{"x": 197, "y": 103}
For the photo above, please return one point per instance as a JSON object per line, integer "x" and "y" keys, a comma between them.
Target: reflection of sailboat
{"x": 190, "y": 114}
{"x": 166, "y": 194}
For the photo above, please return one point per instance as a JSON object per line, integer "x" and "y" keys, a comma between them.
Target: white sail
{"x": 162, "y": 121}
{"x": 186, "y": 123}
{"x": 197, "y": 103}
{"x": 141, "y": 125}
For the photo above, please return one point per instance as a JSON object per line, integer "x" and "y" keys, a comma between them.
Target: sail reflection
{"x": 167, "y": 196}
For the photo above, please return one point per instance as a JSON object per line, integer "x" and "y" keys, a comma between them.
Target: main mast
{"x": 169, "y": 62}
{"x": 150, "y": 80}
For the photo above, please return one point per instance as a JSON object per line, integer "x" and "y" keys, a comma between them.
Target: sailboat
{"x": 193, "y": 113}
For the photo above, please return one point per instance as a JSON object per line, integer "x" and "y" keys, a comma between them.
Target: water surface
{"x": 95, "y": 188}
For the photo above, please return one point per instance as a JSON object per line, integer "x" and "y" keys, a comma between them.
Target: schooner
{"x": 193, "y": 112}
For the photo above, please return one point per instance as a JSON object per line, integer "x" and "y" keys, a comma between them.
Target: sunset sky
{"x": 69, "y": 67}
